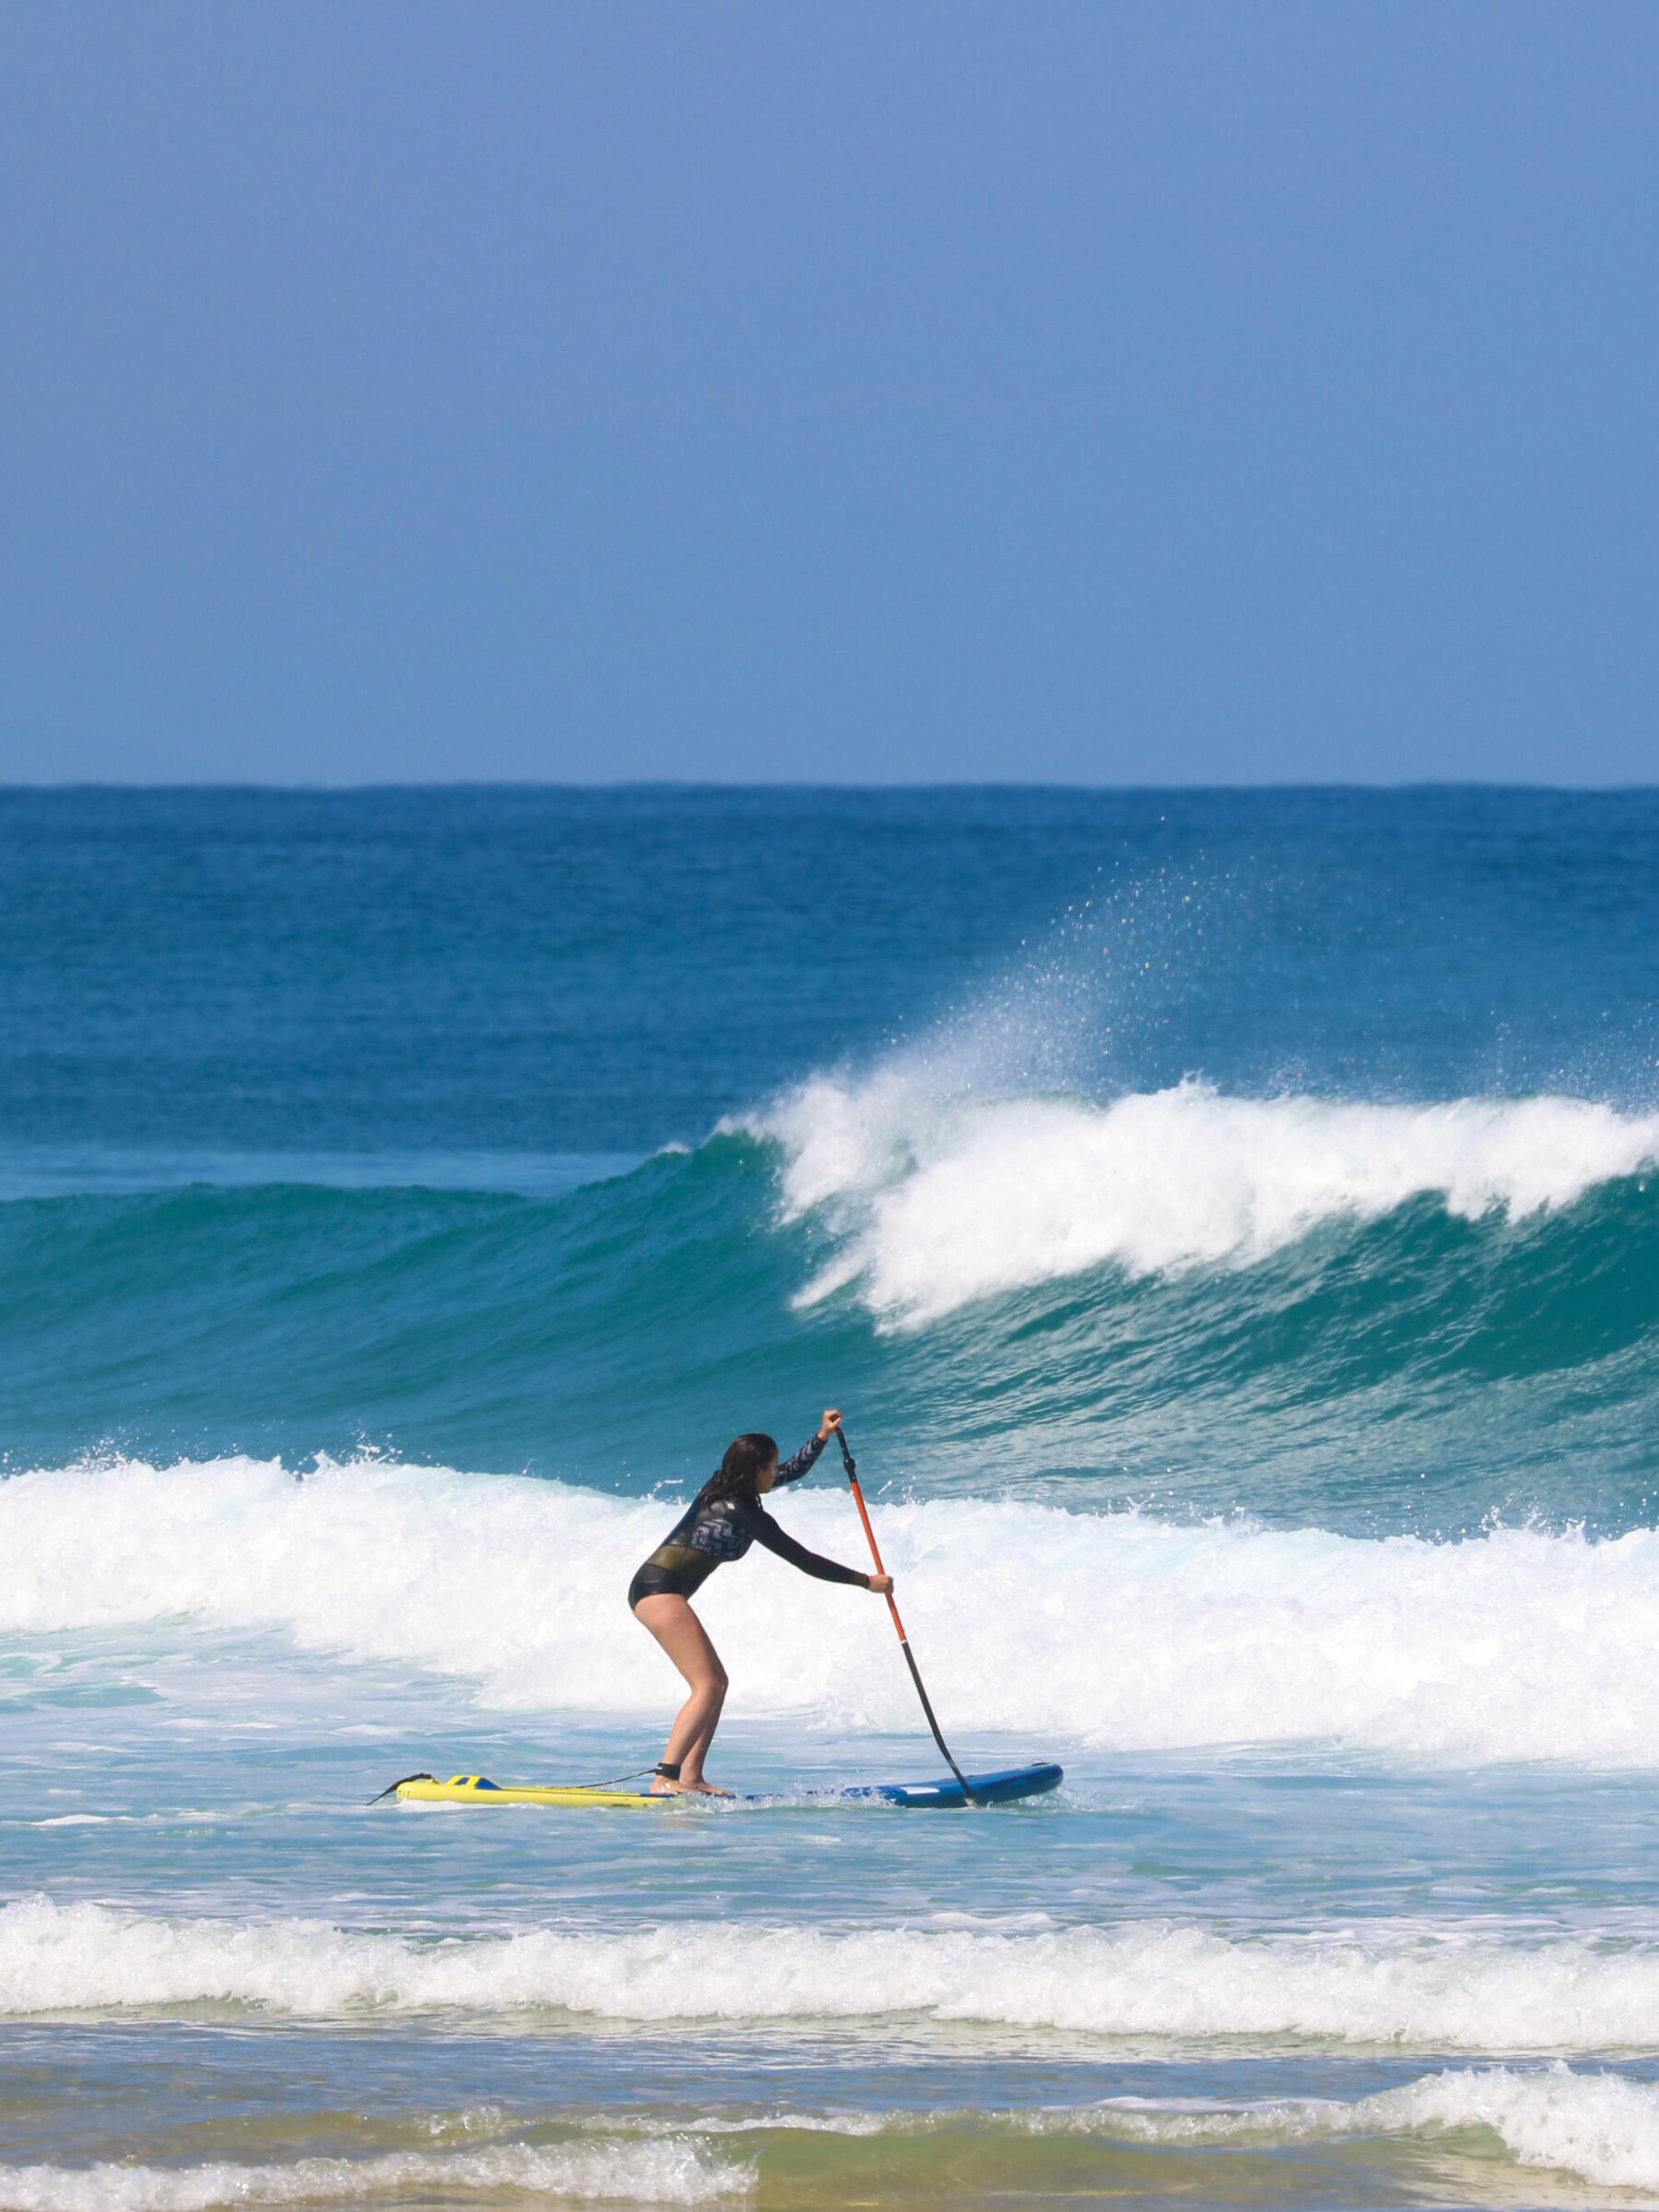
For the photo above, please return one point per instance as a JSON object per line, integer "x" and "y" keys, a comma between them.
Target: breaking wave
{"x": 1136, "y": 1980}
{"x": 655, "y": 2173}
{"x": 944, "y": 1199}
{"x": 1118, "y": 1631}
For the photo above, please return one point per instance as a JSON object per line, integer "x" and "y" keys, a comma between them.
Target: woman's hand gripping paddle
{"x": 909, "y": 1657}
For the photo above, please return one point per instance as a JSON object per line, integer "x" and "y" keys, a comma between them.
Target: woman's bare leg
{"x": 685, "y": 1640}
{"x": 692, "y": 1763}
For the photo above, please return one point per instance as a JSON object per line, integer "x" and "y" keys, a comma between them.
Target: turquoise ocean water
{"x": 1230, "y": 1222}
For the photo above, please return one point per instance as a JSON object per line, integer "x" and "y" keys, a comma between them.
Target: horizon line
{"x": 69, "y": 786}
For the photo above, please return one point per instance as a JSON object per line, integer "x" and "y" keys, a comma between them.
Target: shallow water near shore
{"x": 1228, "y": 1221}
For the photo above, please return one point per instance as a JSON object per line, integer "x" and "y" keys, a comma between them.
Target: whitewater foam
{"x": 655, "y": 2173}
{"x": 1118, "y": 1631}
{"x": 1603, "y": 2127}
{"x": 1151, "y": 1981}
{"x": 943, "y": 1198}
{"x": 1599, "y": 2126}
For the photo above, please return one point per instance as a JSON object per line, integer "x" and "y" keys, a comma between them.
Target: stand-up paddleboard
{"x": 1004, "y": 1788}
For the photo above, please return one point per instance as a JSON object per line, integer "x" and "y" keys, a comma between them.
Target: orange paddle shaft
{"x": 875, "y": 1550}
{"x": 909, "y": 1657}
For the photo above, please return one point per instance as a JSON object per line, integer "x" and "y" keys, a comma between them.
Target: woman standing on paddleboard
{"x": 725, "y": 1517}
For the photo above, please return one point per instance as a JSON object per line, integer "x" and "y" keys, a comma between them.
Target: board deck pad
{"x": 1004, "y": 1787}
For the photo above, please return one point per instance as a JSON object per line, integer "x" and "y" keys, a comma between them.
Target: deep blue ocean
{"x": 1231, "y": 1224}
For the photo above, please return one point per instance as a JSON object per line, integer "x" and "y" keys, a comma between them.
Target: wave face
{"x": 1286, "y": 1152}
{"x": 1118, "y": 1631}
{"x": 1372, "y": 1318}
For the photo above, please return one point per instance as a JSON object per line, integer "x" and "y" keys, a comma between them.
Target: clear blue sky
{"x": 866, "y": 391}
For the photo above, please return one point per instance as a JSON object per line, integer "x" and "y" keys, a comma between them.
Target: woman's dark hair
{"x": 739, "y": 1472}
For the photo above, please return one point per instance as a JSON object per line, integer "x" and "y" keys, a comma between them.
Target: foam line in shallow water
{"x": 1119, "y": 1630}
{"x": 1143, "y": 1981}
{"x": 1602, "y": 2128}
{"x": 946, "y": 1198}
{"x": 656, "y": 2173}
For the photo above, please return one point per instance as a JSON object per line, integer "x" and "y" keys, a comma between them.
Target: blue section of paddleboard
{"x": 1003, "y": 1788}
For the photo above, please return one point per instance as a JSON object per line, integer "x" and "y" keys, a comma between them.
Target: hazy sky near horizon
{"x": 889, "y": 390}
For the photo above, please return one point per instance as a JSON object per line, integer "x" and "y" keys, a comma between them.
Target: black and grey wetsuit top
{"x": 717, "y": 1529}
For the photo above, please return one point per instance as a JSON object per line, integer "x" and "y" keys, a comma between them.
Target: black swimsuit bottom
{"x": 713, "y": 1530}
{"x": 655, "y": 1581}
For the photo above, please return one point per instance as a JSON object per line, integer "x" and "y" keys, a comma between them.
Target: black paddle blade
{"x": 399, "y": 1782}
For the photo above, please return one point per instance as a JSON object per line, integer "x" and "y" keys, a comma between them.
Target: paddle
{"x": 909, "y": 1657}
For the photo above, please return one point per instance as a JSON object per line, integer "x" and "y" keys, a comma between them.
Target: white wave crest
{"x": 1136, "y": 1980}
{"x": 652, "y": 2173}
{"x": 1118, "y": 1631}
{"x": 948, "y": 1198}
{"x": 1603, "y": 2127}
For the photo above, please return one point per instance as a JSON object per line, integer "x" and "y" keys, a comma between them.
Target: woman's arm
{"x": 766, "y": 1531}
{"x": 793, "y": 1469}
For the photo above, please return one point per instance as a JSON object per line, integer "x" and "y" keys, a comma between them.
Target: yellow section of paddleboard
{"x": 471, "y": 1789}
